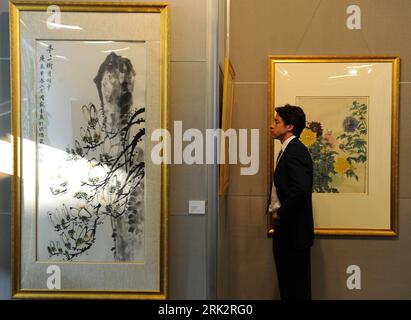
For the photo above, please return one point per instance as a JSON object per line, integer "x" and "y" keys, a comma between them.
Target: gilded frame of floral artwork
{"x": 226, "y": 116}
{"x": 352, "y": 111}
{"x": 89, "y": 207}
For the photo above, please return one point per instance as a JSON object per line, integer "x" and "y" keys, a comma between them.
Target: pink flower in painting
{"x": 330, "y": 139}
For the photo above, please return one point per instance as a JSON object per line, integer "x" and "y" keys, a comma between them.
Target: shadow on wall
{"x": 252, "y": 273}
{"x": 4, "y": 76}
{"x": 6, "y": 160}
{"x": 5, "y": 258}
{"x": 5, "y": 179}
{"x": 5, "y": 173}
{"x": 4, "y": 36}
{"x": 319, "y": 270}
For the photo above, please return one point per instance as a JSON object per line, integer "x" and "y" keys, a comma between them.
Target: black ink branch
{"x": 111, "y": 144}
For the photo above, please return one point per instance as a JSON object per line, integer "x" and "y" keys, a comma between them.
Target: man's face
{"x": 278, "y": 128}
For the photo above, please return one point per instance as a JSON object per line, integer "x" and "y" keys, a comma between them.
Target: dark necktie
{"x": 279, "y": 155}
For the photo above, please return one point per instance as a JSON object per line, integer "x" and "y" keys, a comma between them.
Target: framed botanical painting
{"x": 226, "y": 120}
{"x": 351, "y": 107}
{"x": 88, "y": 88}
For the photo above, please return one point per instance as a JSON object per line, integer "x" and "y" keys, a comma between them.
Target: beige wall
{"x": 312, "y": 27}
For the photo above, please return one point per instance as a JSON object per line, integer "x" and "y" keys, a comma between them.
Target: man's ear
{"x": 290, "y": 127}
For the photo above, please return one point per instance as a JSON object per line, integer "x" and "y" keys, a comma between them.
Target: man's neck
{"x": 286, "y": 136}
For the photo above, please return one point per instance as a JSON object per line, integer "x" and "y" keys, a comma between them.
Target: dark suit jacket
{"x": 293, "y": 179}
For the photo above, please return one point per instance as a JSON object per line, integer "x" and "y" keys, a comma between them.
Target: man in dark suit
{"x": 294, "y": 230}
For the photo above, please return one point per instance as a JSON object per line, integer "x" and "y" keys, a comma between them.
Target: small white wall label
{"x": 196, "y": 207}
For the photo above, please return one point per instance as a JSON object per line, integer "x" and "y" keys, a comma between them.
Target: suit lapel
{"x": 285, "y": 153}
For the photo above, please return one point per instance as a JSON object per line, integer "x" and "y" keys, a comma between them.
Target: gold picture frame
{"x": 312, "y": 81}
{"x": 226, "y": 117}
{"x": 138, "y": 281}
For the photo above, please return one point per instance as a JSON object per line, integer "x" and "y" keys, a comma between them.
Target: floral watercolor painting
{"x": 336, "y": 135}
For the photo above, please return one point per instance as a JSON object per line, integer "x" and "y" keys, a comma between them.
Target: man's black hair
{"x": 293, "y": 115}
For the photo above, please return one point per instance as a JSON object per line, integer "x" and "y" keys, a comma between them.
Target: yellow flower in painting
{"x": 308, "y": 137}
{"x": 341, "y": 165}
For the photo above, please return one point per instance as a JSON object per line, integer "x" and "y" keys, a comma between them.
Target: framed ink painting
{"x": 88, "y": 89}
